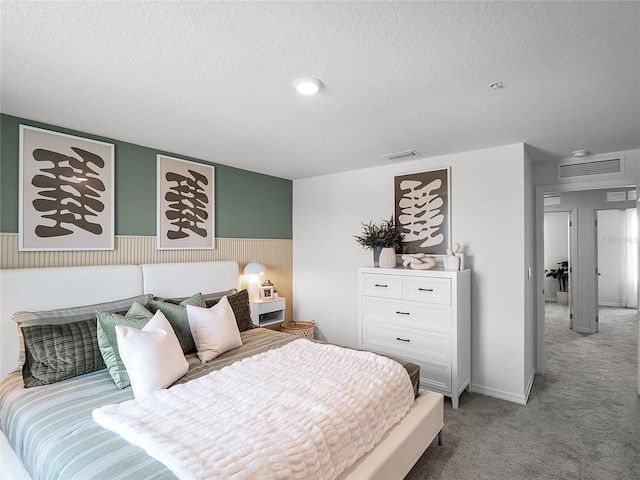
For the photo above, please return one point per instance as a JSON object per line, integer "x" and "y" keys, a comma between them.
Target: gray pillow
{"x": 239, "y": 302}
{"x": 210, "y": 299}
{"x": 69, "y": 315}
{"x": 137, "y": 317}
{"x": 57, "y": 352}
{"x": 177, "y": 316}
{"x": 241, "y": 309}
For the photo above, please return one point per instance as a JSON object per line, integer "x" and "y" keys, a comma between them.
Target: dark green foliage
{"x": 384, "y": 235}
{"x": 561, "y": 274}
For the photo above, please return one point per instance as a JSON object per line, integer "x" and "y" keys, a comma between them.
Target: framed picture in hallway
{"x": 185, "y": 204}
{"x": 423, "y": 211}
{"x": 65, "y": 192}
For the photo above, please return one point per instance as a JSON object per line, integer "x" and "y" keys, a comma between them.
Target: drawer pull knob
{"x": 426, "y": 289}
{"x": 381, "y": 285}
{"x": 403, "y": 313}
{"x": 403, "y": 339}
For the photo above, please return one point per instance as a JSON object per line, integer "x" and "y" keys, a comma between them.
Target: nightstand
{"x": 268, "y": 312}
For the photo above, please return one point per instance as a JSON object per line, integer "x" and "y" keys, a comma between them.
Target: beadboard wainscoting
{"x": 275, "y": 254}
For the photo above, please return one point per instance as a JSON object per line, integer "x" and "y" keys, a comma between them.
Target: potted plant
{"x": 561, "y": 274}
{"x": 384, "y": 239}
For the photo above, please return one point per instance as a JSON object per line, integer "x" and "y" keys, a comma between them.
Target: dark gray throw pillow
{"x": 241, "y": 309}
{"x": 57, "y": 352}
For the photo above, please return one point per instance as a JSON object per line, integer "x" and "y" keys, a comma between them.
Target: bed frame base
{"x": 11, "y": 467}
{"x": 48, "y": 288}
{"x": 402, "y": 446}
{"x": 393, "y": 458}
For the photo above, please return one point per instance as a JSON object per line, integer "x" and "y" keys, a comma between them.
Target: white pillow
{"x": 214, "y": 330}
{"x": 152, "y": 356}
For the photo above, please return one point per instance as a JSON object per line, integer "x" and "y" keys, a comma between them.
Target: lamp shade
{"x": 254, "y": 268}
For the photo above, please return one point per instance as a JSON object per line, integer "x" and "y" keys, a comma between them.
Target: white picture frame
{"x": 267, "y": 293}
{"x": 185, "y": 204}
{"x": 66, "y": 192}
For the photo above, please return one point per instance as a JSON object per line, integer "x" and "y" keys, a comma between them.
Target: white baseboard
{"x": 609, "y": 304}
{"x": 502, "y": 395}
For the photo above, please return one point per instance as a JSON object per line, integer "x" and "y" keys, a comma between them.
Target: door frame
{"x": 541, "y": 191}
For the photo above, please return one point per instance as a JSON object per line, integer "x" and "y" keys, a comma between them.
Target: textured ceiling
{"x": 212, "y": 80}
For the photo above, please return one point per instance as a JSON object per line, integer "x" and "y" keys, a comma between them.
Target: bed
{"x": 75, "y": 446}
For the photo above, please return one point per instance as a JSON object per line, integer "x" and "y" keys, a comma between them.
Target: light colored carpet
{"x": 582, "y": 420}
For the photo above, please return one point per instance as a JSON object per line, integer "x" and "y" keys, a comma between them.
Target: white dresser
{"x": 422, "y": 316}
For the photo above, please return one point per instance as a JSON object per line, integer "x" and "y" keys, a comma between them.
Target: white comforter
{"x": 302, "y": 411}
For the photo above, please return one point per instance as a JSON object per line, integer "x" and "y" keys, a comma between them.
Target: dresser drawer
{"x": 435, "y": 377}
{"x": 387, "y": 286}
{"x": 431, "y": 290}
{"x": 435, "y": 318}
{"x": 406, "y": 342}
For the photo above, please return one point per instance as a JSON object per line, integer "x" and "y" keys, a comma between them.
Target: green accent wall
{"x": 247, "y": 204}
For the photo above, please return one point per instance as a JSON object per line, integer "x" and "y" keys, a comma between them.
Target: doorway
{"x": 557, "y": 260}
{"x": 617, "y": 254}
{"x": 584, "y": 268}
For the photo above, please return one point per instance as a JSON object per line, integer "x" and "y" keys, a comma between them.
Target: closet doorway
{"x": 617, "y": 257}
{"x": 558, "y": 235}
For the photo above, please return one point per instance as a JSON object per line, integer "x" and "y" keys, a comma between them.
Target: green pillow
{"x": 137, "y": 317}
{"x": 177, "y": 316}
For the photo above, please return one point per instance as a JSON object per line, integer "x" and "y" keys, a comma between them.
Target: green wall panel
{"x": 247, "y": 204}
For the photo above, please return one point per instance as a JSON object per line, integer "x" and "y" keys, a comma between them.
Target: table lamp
{"x": 253, "y": 287}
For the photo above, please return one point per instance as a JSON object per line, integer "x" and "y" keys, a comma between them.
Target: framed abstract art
{"x": 423, "y": 211}
{"x": 185, "y": 204}
{"x": 66, "y": 199}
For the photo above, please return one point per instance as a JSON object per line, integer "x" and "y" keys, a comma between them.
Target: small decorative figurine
{"x": 454, "y": 259}
{"x": 418, "y": 261}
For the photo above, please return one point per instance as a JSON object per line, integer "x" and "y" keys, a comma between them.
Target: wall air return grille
{"x": 605, "y": 167}
{"x": 616, "y": 196}
{"x": 552, "y": 200}
{"x": 629, "y": 195}
{"x": 401, "y": 155}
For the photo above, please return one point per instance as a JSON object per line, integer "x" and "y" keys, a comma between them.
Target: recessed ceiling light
{"x": 307, "y": 85}
{"x": 580, "y": 153}
{"x": 495, "y": 85}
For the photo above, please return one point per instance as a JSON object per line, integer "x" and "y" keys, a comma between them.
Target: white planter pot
{"x": 562, "y": 298}
{"x": 388, "y": 258}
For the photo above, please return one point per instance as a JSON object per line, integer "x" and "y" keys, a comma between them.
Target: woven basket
{"x": 301, "y": 329}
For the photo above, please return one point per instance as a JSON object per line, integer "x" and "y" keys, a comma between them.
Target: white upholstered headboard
{"x": 34, "y": 289}
{"x": 185, "y": 279}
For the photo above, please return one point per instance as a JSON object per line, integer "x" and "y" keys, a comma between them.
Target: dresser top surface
{"x": 432, "y": 272}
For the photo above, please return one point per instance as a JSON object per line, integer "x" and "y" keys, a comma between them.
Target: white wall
{"x": 488, "y": 219}
{"x": 556, "y": 247}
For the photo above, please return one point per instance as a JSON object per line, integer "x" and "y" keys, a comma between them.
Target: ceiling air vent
{"x": 401, "y": 155}
{"x": 605, "y": 167}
